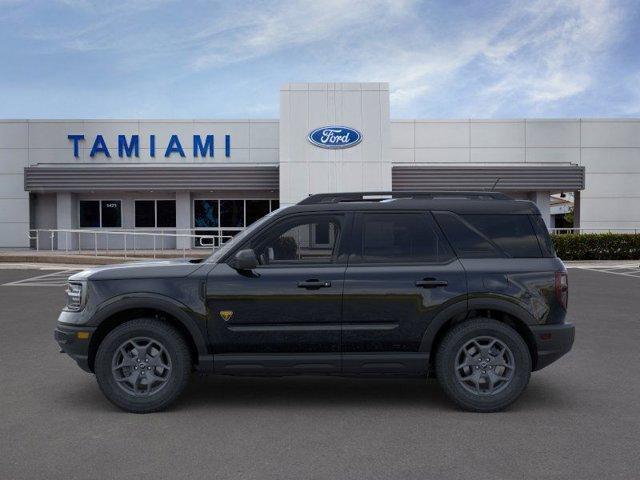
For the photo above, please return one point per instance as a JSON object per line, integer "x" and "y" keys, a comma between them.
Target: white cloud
{"x": 282, "y": 26}
{"x": 529, "y": 53}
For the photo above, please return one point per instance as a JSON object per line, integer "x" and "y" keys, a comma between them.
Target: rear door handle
{"x": 431, "y": 283}
{"x": 313, "y": 284}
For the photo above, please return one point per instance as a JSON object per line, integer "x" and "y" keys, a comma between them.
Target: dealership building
{"x": 203, "y": 176}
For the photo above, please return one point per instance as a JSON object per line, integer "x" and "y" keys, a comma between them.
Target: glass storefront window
{"x": 111, "y": 211}
{"x": 232, "y": 213}
{"x": 166, "y": 213}
{"x": 155, "y": 213}
{"x": 100, "y": 213}
{"x": 89, "y": 214}
{"x": 256, "y": 209}
{"x": 205, "y": 213}
{"x": 228, "y": 215}
{"x": 145, "y": 213}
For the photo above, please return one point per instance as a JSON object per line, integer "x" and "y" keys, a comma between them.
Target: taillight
{"x": 562, "y": 288}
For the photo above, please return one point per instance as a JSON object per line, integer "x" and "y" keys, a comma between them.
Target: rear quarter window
{"x": 513, "y": 234}
{"x": 491, "y": 236}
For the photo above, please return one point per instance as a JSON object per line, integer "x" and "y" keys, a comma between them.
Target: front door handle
{"x": 431, "y": 283}
{"x": 313, "y": 284}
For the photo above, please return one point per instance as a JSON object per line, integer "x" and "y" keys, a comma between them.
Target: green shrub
{"x": 597, "y": 246}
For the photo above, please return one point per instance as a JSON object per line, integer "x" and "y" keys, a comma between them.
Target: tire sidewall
{"x": 180, "y": 365}
{"x": 457, "y": 338}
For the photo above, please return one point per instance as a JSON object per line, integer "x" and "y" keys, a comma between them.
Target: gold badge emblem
{"x": 226, "y": 315}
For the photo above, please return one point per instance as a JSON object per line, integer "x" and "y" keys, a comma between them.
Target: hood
{"x": 137, "y": 270}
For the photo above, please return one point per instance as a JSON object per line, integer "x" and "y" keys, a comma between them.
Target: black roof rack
{"x": 380, "y": 196}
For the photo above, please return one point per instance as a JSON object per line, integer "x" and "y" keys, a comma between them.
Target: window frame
{"x": 100, "y": 200}
{"x": 155, "y": 212}
{"x": 339, "y": 258}
{"x": 355, "y": 254}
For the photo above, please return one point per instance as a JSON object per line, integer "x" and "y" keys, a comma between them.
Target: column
{"x": 306, "y": 168}
{"x": 183, "y": 219}
{"x": 66, "y": 218}
{"x": 541, "y": 199}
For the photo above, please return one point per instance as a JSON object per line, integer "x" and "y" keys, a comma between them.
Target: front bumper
{"x": 74, "y": 341}
{"x": 552, "y": 342}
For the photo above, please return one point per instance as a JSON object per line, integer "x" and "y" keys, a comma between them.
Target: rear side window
{"x": 401, "y": 238}
{"x": 513, "y": 234}
{"x": 466, "y": 240}
{"x": 491, "y": 236}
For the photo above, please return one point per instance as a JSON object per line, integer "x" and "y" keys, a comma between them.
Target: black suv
{"x": 464, "y": 286}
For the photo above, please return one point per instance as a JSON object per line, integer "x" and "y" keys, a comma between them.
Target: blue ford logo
{"x": 335, "y": 136}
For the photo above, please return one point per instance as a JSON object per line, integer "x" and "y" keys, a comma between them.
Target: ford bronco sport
{"x": 464, "y": 286}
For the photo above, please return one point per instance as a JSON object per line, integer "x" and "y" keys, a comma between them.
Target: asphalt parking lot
{"x": 579, "y": 418}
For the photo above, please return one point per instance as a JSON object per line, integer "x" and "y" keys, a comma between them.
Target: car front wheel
{"x": 483, "y": 365}
{"x": 143, "y": 365}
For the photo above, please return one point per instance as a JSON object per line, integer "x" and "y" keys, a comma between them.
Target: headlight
{"x": 75, "y": 297}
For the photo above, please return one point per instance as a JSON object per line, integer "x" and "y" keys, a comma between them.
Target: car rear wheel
{"x": 483, "y": 365}
{"x": 143, "y": 365}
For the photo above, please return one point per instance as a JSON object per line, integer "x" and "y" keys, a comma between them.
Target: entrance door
{"x": 286, "y": 314}
{"x": 401, "y": 274}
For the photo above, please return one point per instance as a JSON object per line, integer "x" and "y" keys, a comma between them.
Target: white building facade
{"x": 220, "y": 175}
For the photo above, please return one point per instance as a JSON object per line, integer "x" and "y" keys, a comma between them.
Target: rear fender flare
{"x": 463, "y": 307}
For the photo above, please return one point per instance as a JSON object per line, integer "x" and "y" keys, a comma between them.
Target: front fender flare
{"x": 195, "y": 326}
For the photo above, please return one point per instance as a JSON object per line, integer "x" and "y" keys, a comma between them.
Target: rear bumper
{"x": 77, "y": 347}
{"x": 552, "y": 342}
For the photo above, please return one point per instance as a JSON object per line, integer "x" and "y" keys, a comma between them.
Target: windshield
{"x": 239, "y": 238}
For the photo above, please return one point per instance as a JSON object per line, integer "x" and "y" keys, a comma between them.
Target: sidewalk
{"x": 88, "y": 257}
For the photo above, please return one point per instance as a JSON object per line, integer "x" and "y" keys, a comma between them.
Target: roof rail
{"x": 379, "y": 196}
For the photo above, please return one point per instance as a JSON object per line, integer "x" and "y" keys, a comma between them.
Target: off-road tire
{"x": 449, "y": 350}
{"x": 178, "y": 375}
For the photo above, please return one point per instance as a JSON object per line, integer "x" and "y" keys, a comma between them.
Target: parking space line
{"x": 621, "y": 270}
{"x": 54, "y": 279}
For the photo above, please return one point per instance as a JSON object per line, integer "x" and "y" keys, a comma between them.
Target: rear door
{"x": 401, "y": 273}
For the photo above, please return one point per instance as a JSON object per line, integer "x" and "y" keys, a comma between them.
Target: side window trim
{"x": 355, "y": 254}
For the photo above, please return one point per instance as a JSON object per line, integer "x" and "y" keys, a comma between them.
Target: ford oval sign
{"x": 335, "y": 137}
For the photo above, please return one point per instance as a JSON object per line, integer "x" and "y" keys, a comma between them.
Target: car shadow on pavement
{"x": 316, "y": 392}
{"x": 319, "y": 392}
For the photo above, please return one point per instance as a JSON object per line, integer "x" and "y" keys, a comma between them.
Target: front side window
{"x": 401, "y": 238}
{"x": 296, "y": 241}
{"x": 100, "y": 213}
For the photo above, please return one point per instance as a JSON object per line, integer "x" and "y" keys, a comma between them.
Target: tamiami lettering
{"x": 129, "y": 146}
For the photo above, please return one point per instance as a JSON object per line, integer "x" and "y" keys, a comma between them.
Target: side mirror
{"x": 244, "y": 260}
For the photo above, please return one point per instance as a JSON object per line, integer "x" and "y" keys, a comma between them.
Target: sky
{"x": 228, "y": 59}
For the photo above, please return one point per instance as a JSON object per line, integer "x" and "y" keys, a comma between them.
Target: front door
{"x": 286, "y": 314}
{"x": 401, "y": 273}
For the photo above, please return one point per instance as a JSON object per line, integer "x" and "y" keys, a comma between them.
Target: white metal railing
{"x": 594, "y": 230}
{"x": 128, "y": 241}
